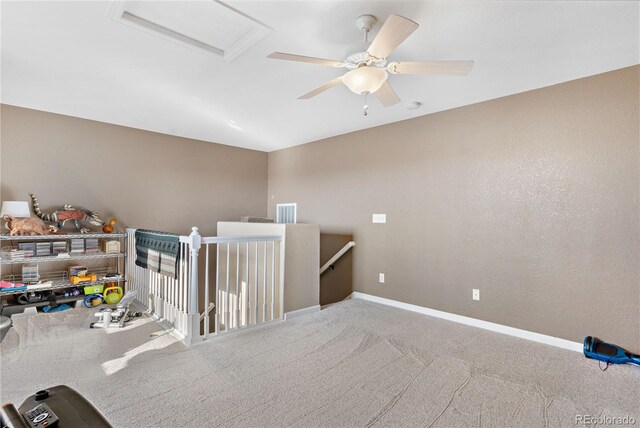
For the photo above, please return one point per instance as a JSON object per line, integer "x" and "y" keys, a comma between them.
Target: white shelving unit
{"x": 58, "y": 280}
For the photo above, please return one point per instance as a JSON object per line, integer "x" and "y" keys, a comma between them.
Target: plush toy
{"x": 27, "y": 226}
{"x": 76, "y": 215}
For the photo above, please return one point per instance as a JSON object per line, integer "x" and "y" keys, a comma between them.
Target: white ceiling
{"x": 73, "y": 58}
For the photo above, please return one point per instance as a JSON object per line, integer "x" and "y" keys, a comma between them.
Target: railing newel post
{"x": 193, "y": 326}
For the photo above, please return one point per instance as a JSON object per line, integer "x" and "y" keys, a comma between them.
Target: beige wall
{"x": 531, "y": 198}
{"x": 144, "y": 179}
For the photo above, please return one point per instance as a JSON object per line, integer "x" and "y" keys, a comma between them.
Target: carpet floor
{"x": 356, "y": 363}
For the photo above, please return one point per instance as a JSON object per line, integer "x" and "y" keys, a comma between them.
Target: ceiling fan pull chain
{"x": 366, "y": 106}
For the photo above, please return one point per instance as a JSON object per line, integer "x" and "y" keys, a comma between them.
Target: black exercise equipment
{"x": 58, "y": 406}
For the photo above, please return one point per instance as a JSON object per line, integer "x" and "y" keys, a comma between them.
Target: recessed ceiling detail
{"x": 211, "y": 26}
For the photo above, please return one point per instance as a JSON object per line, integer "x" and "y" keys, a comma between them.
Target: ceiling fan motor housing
{"x": 359, "y": 59}
{"x": 365, "y": 23}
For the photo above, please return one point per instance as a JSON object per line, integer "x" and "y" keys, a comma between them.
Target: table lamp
{"x": 15, "y": 209}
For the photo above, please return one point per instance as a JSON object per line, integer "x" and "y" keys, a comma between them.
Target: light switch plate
{"x": 381, "y": 278}
{"x": 379, "y": 218}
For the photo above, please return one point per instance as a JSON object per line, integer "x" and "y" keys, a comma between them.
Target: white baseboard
{"x": 301, "y": 312}
{"x": 486, "y": 325}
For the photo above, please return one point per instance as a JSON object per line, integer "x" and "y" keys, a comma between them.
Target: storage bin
{"x": 94, "y": 289}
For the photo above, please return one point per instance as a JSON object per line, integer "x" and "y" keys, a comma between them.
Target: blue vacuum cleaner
{"x": 611, "y": 354}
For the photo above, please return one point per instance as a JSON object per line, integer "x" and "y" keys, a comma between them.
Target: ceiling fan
{"x": 369, "y": 69}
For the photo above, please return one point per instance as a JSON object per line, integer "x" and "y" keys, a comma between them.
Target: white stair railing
{"x": 246, "y": 285}
{"x": 248, "y": 281}
{"x": 337, "y": 256}
{"x": 165, "y": 298}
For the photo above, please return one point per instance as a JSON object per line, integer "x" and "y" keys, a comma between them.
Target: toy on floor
{"x": 93, "y": 300}
{"x": 118, "y": 316}
{"x": 112, "y": 294}
{"x": 68, "y": 213}
{"x": 57, "y": 308}
{"x": 609, "y": 353}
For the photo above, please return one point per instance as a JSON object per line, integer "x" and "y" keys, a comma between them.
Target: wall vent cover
{"x": 286, "y": 213}
{"x": 211, "y": 27}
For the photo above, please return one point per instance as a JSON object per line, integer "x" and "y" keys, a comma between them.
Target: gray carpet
{"x": 355, "y": 363}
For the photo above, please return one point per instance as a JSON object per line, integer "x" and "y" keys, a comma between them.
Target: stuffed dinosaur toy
{"x": 77, "y": 215}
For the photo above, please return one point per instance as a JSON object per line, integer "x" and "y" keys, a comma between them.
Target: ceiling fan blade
{"x": 302, "y": 58}
{"x": 459, "y": 68}
{"x": 394, "y": 31}
{"x": 320, "y": 89}
{"x": 386, "y": 95}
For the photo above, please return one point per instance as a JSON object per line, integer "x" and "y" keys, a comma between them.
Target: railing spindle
{"x": 255, "y": 291}
{"x": 218, "y": 299}
{"x": 229, "y": 308}
{"x": 206, "y": 292}
{"x": 237, "y": 311}
{"x": 246, "y": 289}
{"x": 264, "y": 283}
{"x": 273, "y": 278}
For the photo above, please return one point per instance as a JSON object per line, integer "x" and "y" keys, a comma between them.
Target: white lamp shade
{"x": 365, "y": 79}
{"x": 15, "y": 209}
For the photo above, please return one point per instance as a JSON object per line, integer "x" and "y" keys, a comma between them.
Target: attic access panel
{"x": 211, "y": 26}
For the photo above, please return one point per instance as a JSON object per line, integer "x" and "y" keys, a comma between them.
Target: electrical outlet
{"x": 476, "y": 294}
{"x": 381, "y": 278}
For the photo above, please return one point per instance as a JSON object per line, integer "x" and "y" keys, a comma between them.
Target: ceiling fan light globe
{"x": 365, "y": 79}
